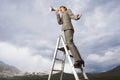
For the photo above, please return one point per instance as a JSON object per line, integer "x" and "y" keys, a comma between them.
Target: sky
{"x": 29, "y": 31}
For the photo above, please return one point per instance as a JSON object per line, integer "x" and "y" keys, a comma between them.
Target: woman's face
{"x": 62, "y": 10}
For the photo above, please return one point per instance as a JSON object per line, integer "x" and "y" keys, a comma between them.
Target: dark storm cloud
{"x": 21, "y": 20}
{"x": 23, "y": 24}
{"x": 28, "y": 23}
{"x": 99, "y": 32}
{"x": 94, "y": 4}
{"x": 106, "y": 35}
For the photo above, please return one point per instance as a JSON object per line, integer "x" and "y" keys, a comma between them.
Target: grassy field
{"x": 66, "y": 77}
{"x": 113, "y": 74}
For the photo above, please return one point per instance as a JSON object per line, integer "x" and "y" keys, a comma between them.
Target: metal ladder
{"x": 66, "y": 54}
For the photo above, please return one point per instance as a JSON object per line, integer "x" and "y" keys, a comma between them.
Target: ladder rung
{"x": 71, "y": 56}
{"x": 57, "y": 70}
{"x": 58, "y": 59}
{"x": 65, "y": 54}
{"x": 62, "y": 48}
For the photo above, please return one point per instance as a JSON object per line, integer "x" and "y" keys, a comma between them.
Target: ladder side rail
{"x": 63, "y": 65}
{"x": 84, "y": 73}
{"x": 55, "y": 54}
{"x": 73, "y": 69}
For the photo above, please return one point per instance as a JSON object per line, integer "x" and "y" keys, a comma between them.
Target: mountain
{"x": 113, "y": 74}
{"x": 7, "y": 70}
{"x": 113, "y": 71}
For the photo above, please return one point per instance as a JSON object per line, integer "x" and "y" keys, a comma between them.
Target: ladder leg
{"x": 66, "y": 54}
{"x": 83, "y": 72}
{"x": 55, "y": 54}
{"x": 70, "y": 61}
{"x": 63, "y": 65}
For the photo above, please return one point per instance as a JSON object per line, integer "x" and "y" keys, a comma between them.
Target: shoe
{"x": 79, "y": 63}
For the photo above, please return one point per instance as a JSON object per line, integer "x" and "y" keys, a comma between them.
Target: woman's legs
{"x": 69, "y": 40}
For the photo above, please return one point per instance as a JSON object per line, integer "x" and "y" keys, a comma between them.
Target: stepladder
{"x": 62, "y": 47}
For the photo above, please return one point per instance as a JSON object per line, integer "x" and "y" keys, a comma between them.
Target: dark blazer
{"x": 65, "y": 19}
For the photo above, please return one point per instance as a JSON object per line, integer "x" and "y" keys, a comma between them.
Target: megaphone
{"x": 52, "y": 9}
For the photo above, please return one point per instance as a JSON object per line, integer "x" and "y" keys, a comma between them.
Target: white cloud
{"x": 101, "y": 58}
{"x": 23, "y": 58}
{"x": 27, "y": 27}
{"x": 99, "y": 23}
{"x": 80, "y": 5}
{"x": 108, "y": 58}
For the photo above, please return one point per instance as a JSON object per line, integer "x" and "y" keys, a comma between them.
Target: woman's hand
{"x": 56, "y": 12}
{"x": 78, "y": 16}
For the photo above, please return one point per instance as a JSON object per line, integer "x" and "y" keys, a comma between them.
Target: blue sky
{"x": 28, "y": 33}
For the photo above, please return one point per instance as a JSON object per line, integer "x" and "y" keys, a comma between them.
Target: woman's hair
{"x": 63, "y": 7}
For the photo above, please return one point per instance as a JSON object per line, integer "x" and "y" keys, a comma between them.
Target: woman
{"x": 67, "y": 27}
